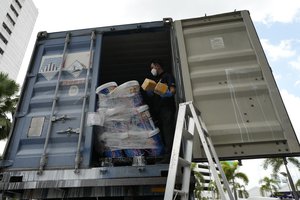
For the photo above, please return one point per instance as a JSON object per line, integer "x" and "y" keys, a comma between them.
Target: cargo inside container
{"x": 126, "y": 56}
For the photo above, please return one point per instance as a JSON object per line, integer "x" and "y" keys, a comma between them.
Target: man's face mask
{"x": 154, "y": 72}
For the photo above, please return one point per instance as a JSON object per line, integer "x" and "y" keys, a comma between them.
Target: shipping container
{"x": 218, "y": 63}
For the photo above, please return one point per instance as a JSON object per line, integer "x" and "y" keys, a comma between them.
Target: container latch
{"x": 69, "y": 131}
{"x": 60, "y": 118}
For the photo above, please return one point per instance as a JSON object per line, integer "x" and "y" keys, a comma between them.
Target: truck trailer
{"x": 218, "y": 63}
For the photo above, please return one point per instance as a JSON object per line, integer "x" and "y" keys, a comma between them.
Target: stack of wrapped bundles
{"x": 127, "y": 128}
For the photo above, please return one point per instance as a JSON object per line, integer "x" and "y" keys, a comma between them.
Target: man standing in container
{"x": 163, "y": 106}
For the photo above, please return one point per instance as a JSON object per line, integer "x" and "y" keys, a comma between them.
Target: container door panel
{"x": 226, "y": 74}
{"x": 32, "y": 124}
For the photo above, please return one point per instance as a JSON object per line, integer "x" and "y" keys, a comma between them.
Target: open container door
{"x": 226, "y": 73}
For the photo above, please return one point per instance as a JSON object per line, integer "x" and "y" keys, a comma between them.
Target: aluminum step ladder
{"x": 187, "y": 120}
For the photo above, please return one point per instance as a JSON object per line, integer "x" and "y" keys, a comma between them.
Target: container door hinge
{"x": 31, "y": 75}
{"x": 5, "y": 163}
{"x": 19, "y": 115}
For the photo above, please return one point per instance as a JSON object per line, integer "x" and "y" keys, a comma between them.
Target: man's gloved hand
{"x": 167, "y": 94}
{"x": 150, "y": 93}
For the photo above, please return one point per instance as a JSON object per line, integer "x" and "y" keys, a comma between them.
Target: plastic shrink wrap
{"x": 127, "y": 128}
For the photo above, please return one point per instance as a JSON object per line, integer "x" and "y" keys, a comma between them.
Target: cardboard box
{"x": 160, "y": 88}
{"x": 148, "y": 85}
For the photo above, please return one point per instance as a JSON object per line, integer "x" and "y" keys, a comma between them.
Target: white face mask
{"x": 154, "y": 72}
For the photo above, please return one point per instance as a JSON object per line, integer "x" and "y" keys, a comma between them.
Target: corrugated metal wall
{"x": 121, "y": 55}
{"x": 35, "y": 110}
{"x": 227, "y": 76}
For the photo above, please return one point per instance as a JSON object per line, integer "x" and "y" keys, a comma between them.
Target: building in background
{"x": 17, "y": 19}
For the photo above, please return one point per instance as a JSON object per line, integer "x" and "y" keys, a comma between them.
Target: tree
{"x": 242, "y": 192}
{"x": 199, "y": 185}
{"x": 212, "y": 186}
{"x": 269, "y": 185}
{"x": 8, "y": 102}
{"x": 231, "y": 173}
{"x": 277, "y": 163}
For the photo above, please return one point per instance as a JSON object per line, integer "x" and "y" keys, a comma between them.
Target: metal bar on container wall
{"x": 78, "y": 155}
{"x": 183, "y": 61}
{"x": 177, "y": 72}
{"x": 43, "y": 160}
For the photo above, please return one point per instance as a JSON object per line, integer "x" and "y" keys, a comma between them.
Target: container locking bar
{"x": 78, "y": 158}
{"x": 43, "y": 160}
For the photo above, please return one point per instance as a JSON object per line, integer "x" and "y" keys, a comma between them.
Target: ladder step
{"x": 184, "y": 162}
{"x": 187, "y": 135}
{"x": 203, "y": 166}
{"x": 180, "y": 192}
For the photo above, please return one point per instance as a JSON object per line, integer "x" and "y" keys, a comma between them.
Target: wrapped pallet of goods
{"x": 103, "y": 92}
{"x": 128, "y": 129}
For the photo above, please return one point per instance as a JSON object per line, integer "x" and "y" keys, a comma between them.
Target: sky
{"x": 277, "y": 23}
